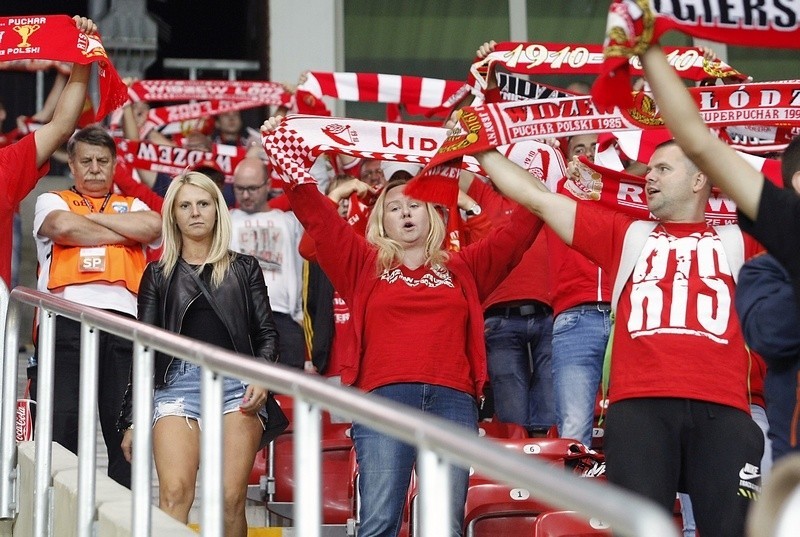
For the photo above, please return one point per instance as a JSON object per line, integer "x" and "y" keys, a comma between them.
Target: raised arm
{"x": 514, "y": 182}
{"x": 69, "y": 107}
{"x": 715, "y": 158}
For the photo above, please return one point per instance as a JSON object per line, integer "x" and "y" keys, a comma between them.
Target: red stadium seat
{"x": 489, "y": 502}
{"x": 501, "y": 429}
{"x": 568, "y": 524}
{"x": 497, "y": 509}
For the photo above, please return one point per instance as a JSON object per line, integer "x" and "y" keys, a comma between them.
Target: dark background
{"x": 186, "y": 29}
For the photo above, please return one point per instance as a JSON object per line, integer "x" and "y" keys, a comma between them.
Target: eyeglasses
{"x": 249, "y": 189}
{"x": 372, "y": 173}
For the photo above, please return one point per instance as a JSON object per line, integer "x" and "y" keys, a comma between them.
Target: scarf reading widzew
{"x": 55, "y": 37}
{"x": 175, "y": 160}
{"x": 300, "y": 139}
{"x": 635, "y": 24}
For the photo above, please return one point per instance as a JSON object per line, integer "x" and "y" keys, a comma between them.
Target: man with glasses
{"x": 372, "y": 173}
{"x": 90, "y": 246}
{"x": 272, "y": 236}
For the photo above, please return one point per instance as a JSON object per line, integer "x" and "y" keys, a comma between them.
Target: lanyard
{"x": 89, "y": 203}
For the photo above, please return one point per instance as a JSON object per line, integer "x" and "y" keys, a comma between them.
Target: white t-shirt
{"x": 99, "y": 295}
{"x": 273, "y": 237}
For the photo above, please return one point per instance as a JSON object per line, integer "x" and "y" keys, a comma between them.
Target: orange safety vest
{"x": 109, "y": 263}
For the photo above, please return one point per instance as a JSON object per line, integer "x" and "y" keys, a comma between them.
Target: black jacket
{"x": 163, "y": 302}
{"x": 765, "y": 302}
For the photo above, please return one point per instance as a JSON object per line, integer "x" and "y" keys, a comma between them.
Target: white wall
{"x": 305, "y": 35}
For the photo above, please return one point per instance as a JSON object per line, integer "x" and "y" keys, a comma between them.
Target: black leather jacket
{"x": 163, "y": 302}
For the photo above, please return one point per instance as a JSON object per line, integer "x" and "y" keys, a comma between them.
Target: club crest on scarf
{"x": 91, "y": 47}
{"x": 341, "y": 134}
{"x": 587, "y": 185}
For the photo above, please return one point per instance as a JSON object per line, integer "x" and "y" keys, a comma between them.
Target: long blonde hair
{"x": 390, "y": 252}
{"x": 218, "y": 257}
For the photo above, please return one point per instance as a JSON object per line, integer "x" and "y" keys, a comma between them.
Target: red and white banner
{"x": 55, "y": 37}
{"x": 175, "y": 160}
{"x": 268, "y": 93}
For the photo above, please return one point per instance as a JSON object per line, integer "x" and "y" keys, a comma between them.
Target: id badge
{"x": 93, "y": 259}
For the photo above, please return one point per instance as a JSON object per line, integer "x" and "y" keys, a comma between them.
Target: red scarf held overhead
{"x": 267, "y": 93}
{"x": 55, "y": 37}
{"x": 175, "y": 160}
{"x": 635, "y": 24}
{"x": 492, "y": 125}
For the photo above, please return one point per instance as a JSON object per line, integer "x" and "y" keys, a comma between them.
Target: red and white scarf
{"x": 179, "y": 113}
{"x": 634, "y": 24}
{"x": 299, "y": 140}
{"x": 564, "y": 58}
{"x": 268, "y": 93}
{"x": 174, "y": 160}
{"x": 623, "y": 192}
{"x": 492, "y": 125}
{"x": 419, "y": 94}
{"x": 639, "y": 146}
{"x": 55, "y": 37}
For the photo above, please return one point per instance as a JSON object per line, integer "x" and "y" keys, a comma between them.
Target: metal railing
{"x": 439, "y": 442}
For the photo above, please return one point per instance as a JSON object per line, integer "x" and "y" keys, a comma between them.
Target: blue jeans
{"x": 580, "y": 335}
{"x": 385, "y": 463}
{"x": 518, "y": 350}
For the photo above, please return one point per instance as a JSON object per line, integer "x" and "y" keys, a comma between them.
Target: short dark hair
{"x": 790, "y": 161}
{"x": 213, "y": 173}
{"x": 92, "y": 135}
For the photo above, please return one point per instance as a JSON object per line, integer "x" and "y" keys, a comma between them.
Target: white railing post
{"x": 44, "y": 423}
{"x": 307, "y": 469}
{"x": 87, "y": 429}
{"x": 212, "y": 498}
{"x": 141, "y": 463}
{"x": 8, "y": 408}
{"x": 437, "y": 440}
{"x": 434, "y": 493}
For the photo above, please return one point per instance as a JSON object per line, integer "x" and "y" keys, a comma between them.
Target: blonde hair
{"x": 390, "y": 252}
{"x": 219, "y": 257}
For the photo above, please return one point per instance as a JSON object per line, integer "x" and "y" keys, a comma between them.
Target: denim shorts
{"x": 180, "y": 396}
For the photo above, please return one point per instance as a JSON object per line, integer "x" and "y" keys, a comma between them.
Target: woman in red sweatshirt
{"x": 416, "y": 310}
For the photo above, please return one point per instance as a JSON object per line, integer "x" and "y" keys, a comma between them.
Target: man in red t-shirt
{"x": 23, "y": 163}
{"x": 678, "y": 416}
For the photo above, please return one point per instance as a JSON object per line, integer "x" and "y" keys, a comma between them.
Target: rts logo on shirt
{"x": 681, "y": 285}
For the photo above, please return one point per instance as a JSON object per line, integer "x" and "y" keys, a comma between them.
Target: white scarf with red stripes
{"x": 419, "y": 94}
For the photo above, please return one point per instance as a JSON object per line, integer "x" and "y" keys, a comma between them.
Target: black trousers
{"x": 658, "y": 446}
{"x": 291, "y": 341}
{"x": 115, "y": 359}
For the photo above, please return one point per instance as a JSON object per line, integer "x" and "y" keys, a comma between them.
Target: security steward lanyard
{"x": 89, "y": 203}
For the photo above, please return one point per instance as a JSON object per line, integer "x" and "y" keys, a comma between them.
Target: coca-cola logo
{"x": 24, "y": 421}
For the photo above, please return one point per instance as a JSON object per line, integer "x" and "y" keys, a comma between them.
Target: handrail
{"x": 436, "y": 439}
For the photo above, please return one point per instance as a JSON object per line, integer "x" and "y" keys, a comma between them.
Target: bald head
{"x": 250, "y": 185}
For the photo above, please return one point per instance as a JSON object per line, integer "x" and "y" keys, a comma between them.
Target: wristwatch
{"x": 474, "y": 210}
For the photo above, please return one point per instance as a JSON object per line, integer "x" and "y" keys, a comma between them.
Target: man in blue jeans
{"x": 518, "y": 324}
{"x": 581, "y": 294}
